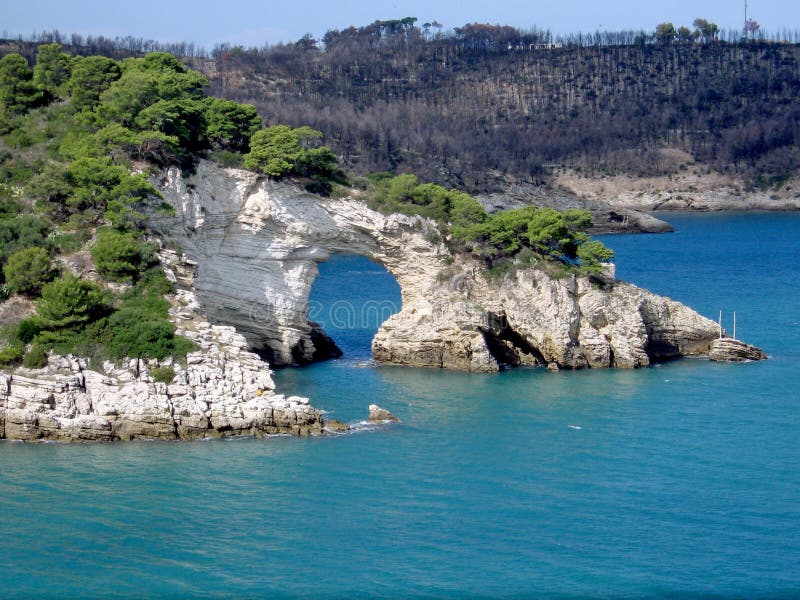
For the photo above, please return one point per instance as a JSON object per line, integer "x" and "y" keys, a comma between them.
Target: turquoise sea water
{"x": 673, "y": 481}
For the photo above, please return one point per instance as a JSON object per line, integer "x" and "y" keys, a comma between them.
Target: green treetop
{"x": 17, "y": 90}
{"x": 276, "y": 150}
{"x": 52, "y": 70}
{"x": 90, "y": 77}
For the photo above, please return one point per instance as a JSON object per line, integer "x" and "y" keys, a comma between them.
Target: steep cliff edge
{"x": 257, "y": 244}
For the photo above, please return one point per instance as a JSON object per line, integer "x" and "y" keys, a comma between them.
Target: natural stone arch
{"x": 256, "y": 244}
{"x": 351, "y": 307}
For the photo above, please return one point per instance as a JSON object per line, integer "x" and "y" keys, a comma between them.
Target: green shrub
{"x": 404, "y": 194}
{"x": 17, "y": 90}
{"x": 230, "y": 125}
{"x": 71, "y": 341}
{"x": 12, "y": 352}
{"x": 527, "y": 258}
{"x": 275, "y": 150}
{"x": 228, "y": 159}
{"x": 28, "y": 329}
{"x": 281, "y": 150}
{"x": 592, "y": 253}
{"x": 361, "y": 183}
{"x": 35, "y": 358}
{"x": 140, "y": 327}
{"x": 130, "y": 333}
{"x": 163, "y": 374}
{"x": 166, "y": 209}
{"x": 28, "y": 270}
{"x": 90, "y": 77}
{"x": 23, "y": 231}
{"x": 154, "y": 284}
{"x": 71, "y": 303}
{"x": 120, "y": 256}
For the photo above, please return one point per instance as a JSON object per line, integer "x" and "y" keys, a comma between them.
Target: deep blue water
{"x": 670, "y": 481}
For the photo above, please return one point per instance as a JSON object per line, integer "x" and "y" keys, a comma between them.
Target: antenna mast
{"x": 745, "y": 19}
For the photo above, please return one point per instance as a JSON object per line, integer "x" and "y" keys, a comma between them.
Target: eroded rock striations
{"x": 257, "y": 244}
{"x": 727, "y": 349}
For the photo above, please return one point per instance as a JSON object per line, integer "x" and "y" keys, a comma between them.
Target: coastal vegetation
{"x": 81, "y": 137}
{"x": 480, "y": 106}
{"x": 532, "y": 232}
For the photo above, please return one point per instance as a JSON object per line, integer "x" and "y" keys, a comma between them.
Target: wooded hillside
{"x": 470, "y": 107}
{"x": 461, "y": 110}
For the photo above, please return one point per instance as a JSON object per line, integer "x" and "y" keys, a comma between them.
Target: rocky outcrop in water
{"x": 222, "y": 389}
{"x": 250, "y": 252}
{"x": 727, "y": 349}
{"x": 530, "y": 318}
{"x": 380, "y": 415}
{"x": 257, "y": 243}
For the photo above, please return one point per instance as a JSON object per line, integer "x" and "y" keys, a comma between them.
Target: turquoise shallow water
{"x": 669, "y": 481}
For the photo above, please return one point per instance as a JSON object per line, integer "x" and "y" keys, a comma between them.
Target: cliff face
{"x": 257, "y": 244}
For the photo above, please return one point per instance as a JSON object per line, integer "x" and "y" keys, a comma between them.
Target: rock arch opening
{"x": 350, "y": 298}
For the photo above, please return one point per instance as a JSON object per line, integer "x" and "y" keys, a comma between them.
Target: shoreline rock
{"x": 691, "y": 189}
{"x": 606, "y": 217}
{"x": 727, "y": 349}
{"x": 222, "y": 390}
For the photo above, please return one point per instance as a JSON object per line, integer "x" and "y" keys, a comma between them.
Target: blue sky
{"x": 254, "y": 23}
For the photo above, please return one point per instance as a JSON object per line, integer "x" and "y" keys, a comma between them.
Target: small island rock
{"x": 378, "y": 414}
{"x": 731, "y": 350}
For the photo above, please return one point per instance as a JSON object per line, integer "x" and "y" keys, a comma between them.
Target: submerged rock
{"x": 731, "y": 350}
{"x": 380, "y": 415}
{"x": 336, "y": 426}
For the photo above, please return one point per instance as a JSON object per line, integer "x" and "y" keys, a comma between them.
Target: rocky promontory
{"x": 257, "y": 244}
{"x": 606, "y": 217}
{"x": 249, "y": 249}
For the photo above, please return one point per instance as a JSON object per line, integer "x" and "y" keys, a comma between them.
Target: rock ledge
{"x": 221, "y": 390}
{"x": 731, "y": 350}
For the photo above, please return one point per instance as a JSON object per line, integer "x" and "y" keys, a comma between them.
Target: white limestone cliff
{"x": 257, "y": 243}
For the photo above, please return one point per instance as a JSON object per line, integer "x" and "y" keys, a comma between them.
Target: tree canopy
{"x": 18, "y": 92}
{"x": 546, "y": 232}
